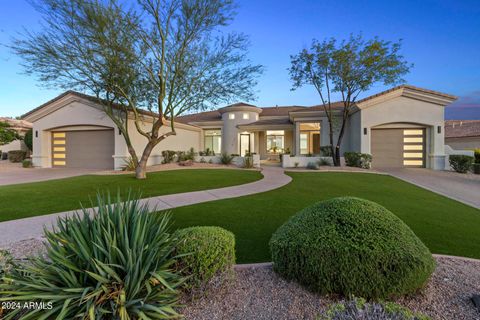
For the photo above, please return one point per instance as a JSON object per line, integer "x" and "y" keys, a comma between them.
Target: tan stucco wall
{"x": 81, "y": 115}
{"x": 464, "y": 143}
{"x": 231, "y": 134}
{"x": 182, "y": 141}
{"x": 73, "y": 113}
{"x": 406, "y": 110}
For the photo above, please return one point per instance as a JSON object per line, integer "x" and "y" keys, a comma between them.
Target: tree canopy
{"x": 163, "y": 56}
{"x": 348, "y": 67}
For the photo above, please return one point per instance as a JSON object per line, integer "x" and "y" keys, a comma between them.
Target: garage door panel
{"x": 84, "y": 149}
{"x": 400, "y": 147}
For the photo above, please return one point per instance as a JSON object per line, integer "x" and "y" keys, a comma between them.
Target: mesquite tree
{"x": 349, "y": 68}
{"x": 161, "y": 56}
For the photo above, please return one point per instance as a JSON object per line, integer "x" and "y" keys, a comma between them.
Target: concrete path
{"x": 13, "y": 173}
{"x": 28, "y": 228}
{"x": 461, "y": 187}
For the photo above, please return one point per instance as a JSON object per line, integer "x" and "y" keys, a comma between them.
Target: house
{"x": 462, "y": 134}
{"x": 403, "y": 126}
{"x": 21, "y": 127}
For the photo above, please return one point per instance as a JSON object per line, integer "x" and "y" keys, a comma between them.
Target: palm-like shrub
{"x": 114, "y": 265}
{"x": 460, "y": 163}
{"x": 351, "y": 246}
{"x": 226, "y": 158}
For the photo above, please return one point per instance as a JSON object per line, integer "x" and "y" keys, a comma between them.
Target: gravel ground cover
{"x": 258, "y": 293}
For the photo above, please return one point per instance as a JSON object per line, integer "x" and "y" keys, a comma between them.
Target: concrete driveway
{"x": 13, "y": 173}
{"x": 461, "y": 187}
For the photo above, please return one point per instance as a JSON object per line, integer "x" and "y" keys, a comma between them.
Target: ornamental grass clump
{"x": 351, "y": 246}
{"x": 116, "y": 264}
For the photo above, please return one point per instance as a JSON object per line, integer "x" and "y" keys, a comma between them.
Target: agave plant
{"x": 116, "y": 264}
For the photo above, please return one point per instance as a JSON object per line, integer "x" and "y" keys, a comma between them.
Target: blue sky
{"x": 441, "y": 38}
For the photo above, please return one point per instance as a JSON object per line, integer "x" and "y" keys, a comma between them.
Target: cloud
{"x": 465, "y": 108}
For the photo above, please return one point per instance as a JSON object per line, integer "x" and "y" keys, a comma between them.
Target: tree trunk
{"x": 336, "y": 162}
{"x": 141, "y": 170}
{"x": 336, "y": 156}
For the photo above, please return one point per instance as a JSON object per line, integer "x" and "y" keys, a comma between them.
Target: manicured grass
{"x": 444, "y": 225}
{"x": 38, "y": 198}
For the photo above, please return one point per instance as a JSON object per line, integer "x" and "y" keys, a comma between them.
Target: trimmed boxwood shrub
{"x": 351, "y": 246}
{"x": 16, "y": 155}
{"x": 460, "y": 163}
{"x": 357, "y": 159}
{"x": 203, "y": 253}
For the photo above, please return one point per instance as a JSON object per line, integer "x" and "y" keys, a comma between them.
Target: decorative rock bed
{"x": 258, "y": 293}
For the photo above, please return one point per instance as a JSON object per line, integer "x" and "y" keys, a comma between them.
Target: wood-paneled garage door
{"x": 92, "y": 149}
{"x": 398, "y": 147}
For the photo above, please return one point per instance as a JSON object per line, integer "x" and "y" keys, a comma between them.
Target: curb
{"x": 268, "y": 265}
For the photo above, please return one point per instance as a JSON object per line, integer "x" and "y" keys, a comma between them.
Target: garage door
{"x": 91, "y": 149}
{"x": 398, "y": 147}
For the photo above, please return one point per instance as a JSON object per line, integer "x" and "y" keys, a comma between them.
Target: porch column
{"x": 296, "y": 139}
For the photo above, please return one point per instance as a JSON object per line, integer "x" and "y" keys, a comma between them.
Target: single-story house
{"x": 462, "y": 134}
{"x": 400, "y": 127}
{"x": 21, "y": 127}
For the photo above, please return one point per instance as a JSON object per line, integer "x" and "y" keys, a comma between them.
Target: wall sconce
{"x": 365, "y": 131}
{"x": 439, "y": 129}
{"x": 36, "y": 133}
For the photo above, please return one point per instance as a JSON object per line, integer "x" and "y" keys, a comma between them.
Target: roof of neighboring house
{"x": 462, "y": 128}
{"x": 18, "y": 125}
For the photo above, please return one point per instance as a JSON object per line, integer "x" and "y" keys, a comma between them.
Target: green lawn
{"x": 33, "y": 199}
{"x": 446, "y": 226}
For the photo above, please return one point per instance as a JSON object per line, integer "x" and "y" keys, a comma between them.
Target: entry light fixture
{"x": 365, "y": 131}
{"x": 439, "y": 129}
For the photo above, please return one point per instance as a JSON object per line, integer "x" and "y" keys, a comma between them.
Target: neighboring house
{"x": 400, "y": 127}
{"x": 21, "y": 126}
{"x": 462, "y": 134}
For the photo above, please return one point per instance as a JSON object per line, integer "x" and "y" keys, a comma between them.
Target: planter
{"x": 476, "y": 168}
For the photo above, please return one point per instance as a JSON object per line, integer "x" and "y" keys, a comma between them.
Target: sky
{"x": 441, "y": 38}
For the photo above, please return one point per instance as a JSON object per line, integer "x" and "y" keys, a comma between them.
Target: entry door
{"x": 316, "y": 143}
{"x": 244, "y": 144}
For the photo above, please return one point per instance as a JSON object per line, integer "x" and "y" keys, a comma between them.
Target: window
{"x": 310, "y": 138}
{"x": 245, "y": 116}
{"x": 231, "y": 116}
{"x": 275, "y": 141}
{"x": 213, "y": 140}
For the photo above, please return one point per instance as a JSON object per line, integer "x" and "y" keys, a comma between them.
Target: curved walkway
{"x": 28, "y": 228}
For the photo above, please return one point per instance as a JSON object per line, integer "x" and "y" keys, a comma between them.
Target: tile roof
{"x": 462, "y": 128}
{"x": 84, "y": 96}
{"x": 407, "y": 86}
{"x": 278, "y": 121}
{"x": 19, "y": 125}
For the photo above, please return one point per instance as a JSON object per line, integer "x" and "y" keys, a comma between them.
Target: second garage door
{"x": 398, "y": 147}
{"x": 91, "y": 149}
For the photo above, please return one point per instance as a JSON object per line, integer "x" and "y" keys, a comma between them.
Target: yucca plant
{"x": 116, "y": 264}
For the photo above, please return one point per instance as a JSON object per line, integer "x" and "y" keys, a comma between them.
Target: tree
{"x": 349, "y": 68}
{"x": 28, "y": 139}
{"x": 7, "y": 133}
{"x": 164, "y": 57}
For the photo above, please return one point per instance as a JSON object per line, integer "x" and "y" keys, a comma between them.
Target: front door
{"x": 244, "y": 144}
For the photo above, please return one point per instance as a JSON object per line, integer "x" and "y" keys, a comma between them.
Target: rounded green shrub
{"x": 203, "y": 253}
{"x": 351, "y": 246}
{"x": 117, "y": 264}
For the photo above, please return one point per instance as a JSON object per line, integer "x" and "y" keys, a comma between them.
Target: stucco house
{"x": 462, "y": 134}
{"x": 403, "y": 126}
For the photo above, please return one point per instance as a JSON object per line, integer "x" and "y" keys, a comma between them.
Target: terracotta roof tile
{"x": 462, "y": 128}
